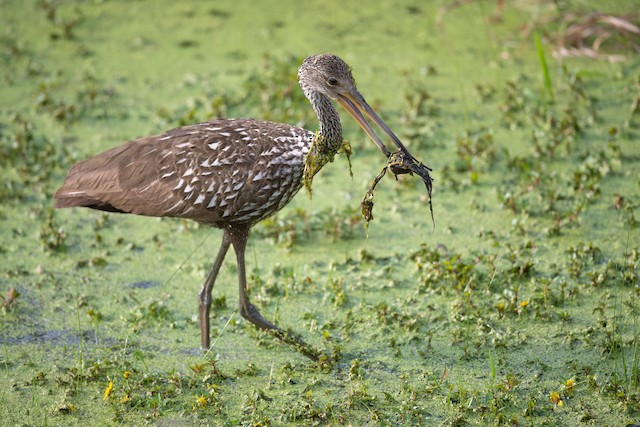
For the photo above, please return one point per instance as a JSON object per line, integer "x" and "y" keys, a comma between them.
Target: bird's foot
{"x": 297, "y": 343}
{"x": 251, "y": 313}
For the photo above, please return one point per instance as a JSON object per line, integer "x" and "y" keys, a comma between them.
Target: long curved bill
{"x": 355, "y": 105}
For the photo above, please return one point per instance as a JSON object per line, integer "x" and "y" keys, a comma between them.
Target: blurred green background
{"x": 518, "y": 308}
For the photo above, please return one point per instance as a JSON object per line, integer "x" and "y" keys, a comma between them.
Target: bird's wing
{"x": 218, "y": 171}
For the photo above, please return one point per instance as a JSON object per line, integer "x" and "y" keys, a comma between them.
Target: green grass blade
{"x": 492, "y": 364}
{"x": 543, "y": 64}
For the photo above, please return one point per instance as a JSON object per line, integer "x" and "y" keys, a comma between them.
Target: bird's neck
{"x": 329, "y": 120}
{"x": 327, "y": 141}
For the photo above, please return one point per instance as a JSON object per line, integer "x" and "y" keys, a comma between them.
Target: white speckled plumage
{"x": 198, "y": 172}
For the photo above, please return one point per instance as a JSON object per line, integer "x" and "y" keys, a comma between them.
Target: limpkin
{"x": 225, "y": 173}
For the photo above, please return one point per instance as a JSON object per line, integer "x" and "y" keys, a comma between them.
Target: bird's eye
{"x": 332, "y": 81}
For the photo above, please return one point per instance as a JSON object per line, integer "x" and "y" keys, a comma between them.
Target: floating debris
{"x": 321, "y": 153}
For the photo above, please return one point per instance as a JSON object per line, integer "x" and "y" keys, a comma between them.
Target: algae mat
{"x": 518, "y": 307}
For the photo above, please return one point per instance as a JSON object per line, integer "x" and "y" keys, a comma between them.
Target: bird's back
{"x": 219, "y": 172}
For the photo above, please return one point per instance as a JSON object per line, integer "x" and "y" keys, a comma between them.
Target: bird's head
{"x": 329, "y": 75}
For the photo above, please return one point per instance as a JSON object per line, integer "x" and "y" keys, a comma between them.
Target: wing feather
{"x": 215, "y": 172}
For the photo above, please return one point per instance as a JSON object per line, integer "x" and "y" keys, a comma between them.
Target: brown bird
{"x": 226, "y": 173}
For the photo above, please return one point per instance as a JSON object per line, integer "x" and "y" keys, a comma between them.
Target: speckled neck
{"x": 329, "y": 120}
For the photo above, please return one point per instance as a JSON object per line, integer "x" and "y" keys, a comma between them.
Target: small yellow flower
{"x": 108, "y": 390}
{"x": 523, "y": 304}
{"x": 126, "y": 374}
{"x": 554, "y": 397}
{"x": 569, "y": 384}
{"x": 202, "y": 401}
{"x": 125, "y": 399}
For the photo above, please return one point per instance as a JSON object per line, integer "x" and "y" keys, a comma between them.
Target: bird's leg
{"x": 204, "y": 296}
{"x": 238, "y": 235}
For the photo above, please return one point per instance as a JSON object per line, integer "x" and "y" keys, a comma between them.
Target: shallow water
{"x": 517, "y": 307}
